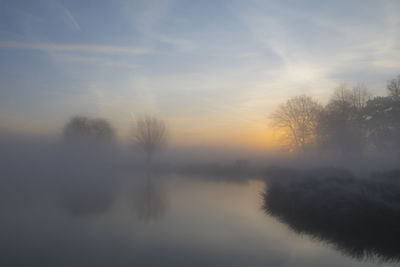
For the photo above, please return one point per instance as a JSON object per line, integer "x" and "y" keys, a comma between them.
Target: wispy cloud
{"x": 97, "y": 60}
{"x": 323, "y": 49}
{"x": 72, "y": 19}
{"x": 148, "y": 18}
{"x": 51, "y": 47}
{"x": 181, "y": 44}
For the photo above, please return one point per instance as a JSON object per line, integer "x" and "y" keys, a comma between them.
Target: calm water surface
{"x": 157, "y": 221}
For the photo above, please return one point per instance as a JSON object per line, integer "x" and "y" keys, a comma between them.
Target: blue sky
{"x": 212, "y": 69}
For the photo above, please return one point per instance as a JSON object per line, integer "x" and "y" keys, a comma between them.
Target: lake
{"x": 134, "y": 220}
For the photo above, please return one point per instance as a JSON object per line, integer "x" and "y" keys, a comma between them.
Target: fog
{"x": 347, "y": 201}
{"x": 199, "y": 133}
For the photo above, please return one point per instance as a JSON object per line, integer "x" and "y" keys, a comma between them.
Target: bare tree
{"x": 393, "y": 87}
{"x": 150, "y": 133}
{"x": 340, "y": 125}
{"x": 296, "y": 120}
{"x": 342, "y": 96}
{"x": 354, "y": 99}
{"x": 360, "y": 97}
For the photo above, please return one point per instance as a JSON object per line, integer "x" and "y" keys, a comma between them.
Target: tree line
{"x": 149, "y": 133}
{"x": 352, "y": 122}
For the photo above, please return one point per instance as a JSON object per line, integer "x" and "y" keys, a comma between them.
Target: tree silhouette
{"x": 296, "y": 120}
{"x": 382, "y": 122}
{"x": 340, "y": 124}
{"x": 83, "y": 128}
{"x": 393, "y": 87}
{"x": 150, "y": 133}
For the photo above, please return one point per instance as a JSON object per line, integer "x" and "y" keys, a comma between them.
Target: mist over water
{"x": 87, "y": 198}
{"x": 199, "y": 133}
{"x": 66, "y": 204}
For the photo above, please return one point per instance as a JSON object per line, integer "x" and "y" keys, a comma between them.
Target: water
{"x": 159, "y": 221}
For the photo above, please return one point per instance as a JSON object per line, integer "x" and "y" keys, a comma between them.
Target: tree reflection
{"x": 149, "y": 201}
{"x": 359, "y": 217}
{"x": 87, "y": 193}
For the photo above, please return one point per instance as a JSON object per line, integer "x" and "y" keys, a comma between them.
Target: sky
{"x": 213, "y": 70}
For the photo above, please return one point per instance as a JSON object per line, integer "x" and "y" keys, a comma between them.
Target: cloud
{"x": 182, "y": 44}
{"x": 319, "y": 47}
{"x": 96, "y": 60}
{"x": 148, "y": 18}
{"x": 51, "y": 47}
{"x": 72, "y": 19}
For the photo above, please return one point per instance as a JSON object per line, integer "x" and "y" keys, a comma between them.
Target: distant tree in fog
{"x": 359, "y": 97}
{"x": 393, "y": 87}
{"x": 352, "y": 122}
{"x": 340, "y": 124}
{"x": 351, "y": 100}
{"x": 382, "y": 121}
{"x": 83, "y": 128}
{"x": 150, "y": 133}
{"x": 296, "y": 121}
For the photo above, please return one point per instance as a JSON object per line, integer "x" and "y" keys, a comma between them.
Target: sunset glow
{"x": 212, "y": 84}
{"x": 199, "y": 133}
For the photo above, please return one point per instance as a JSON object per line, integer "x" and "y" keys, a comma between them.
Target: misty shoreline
{"x": 358, "y": 216}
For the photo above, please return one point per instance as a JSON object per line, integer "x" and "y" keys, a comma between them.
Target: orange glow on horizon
{"x": 256, "y": 138}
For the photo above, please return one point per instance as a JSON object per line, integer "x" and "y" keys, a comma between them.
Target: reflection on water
{"x": 103, "y": 219}
{"x": 87, "y": 201}
{"x": 87, "y": 195}
{"x": 149, "y": 201}
{"x": 359, "y": 217}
